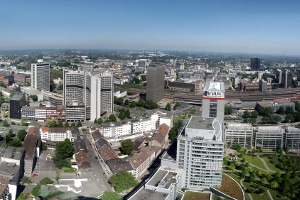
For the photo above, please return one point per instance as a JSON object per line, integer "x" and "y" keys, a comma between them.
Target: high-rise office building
{"x": 40, "y": 75}
{"x": 16, "y": 103}
{"x": 77, "y": 95}
{"x": 200, "y": 153}
{"x": 255, "y": 64}
{"x": 102, "y": 94}
{"x": 155, "y": 82}
{"x": 213, "y": 100}
{"x": 87, "y": 96}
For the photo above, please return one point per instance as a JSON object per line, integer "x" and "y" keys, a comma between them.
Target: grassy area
{"x": 254, "y": 160}
{"x": 270, "y": 165}
{"x": 263, "y": 195}
{"x": 196, "y": 195}
{"x": 274, "y": 195}
{"x": 230, "y": 188}
{"x": 71, "y": 170}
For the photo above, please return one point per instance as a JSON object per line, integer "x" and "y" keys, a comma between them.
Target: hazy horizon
{"x": 231, "y": 26}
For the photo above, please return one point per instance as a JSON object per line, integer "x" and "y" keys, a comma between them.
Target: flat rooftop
{"x": 197, "y": 122}
{"x": 159, "y": 175}
{"x": 144, "y": 194}
{"x": 13, "y": 153}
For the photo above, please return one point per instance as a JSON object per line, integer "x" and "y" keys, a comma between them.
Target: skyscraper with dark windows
{"x": 155, "y": 82}
{"x": 255, "y": 64}
{"x": 16, "y": 103}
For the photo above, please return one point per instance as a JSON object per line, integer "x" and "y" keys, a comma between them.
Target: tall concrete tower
{"x": 213, "y": 100}
{"x": 40, "y": 75}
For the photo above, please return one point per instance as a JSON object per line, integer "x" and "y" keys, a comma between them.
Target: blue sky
{"x": 251, "y": 26}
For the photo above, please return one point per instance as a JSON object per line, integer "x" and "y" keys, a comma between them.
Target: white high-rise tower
{"x": 40, "y": 76}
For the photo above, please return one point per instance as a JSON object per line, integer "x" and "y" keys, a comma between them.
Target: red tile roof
{"x": 163, "y": 129}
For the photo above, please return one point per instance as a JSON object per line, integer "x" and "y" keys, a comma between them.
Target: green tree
{"x": 174, "y": 130}
{"x": 168, "y": 107}
{"x": 126, "y": 146}
{"x": 51, "y": 123}
{"x": 281, "y": 110}
{"x": 111, "y": 118}
{"x": 60, "y": 124}
{"x": 66, "y": 125}
{"x": 108, "y": 195}
{"x": 143, "y": 77}
{"x": 46, "y": 181}
{"x": 79, "y": 124}
{"x": 246, "y": 114}
{"x": 274, "y": 184}
{"x": 63, "y": 151}
{"x": 33, "y": 97}
{"x": 122, "y": 181}
{"x": 15, "y": 143}
{"x": 228, "y": 110}
{"x": 100, "y": 121}
{"x": 22, "y": 134}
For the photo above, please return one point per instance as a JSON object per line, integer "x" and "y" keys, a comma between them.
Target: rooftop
{"x": 197, "y": 122}
{"x": 144, "y": 194}
{"x": 13, "y": 153}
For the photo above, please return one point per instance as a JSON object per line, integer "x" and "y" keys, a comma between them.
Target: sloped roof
{"x": 34, "y": 130}
{"x": 163, "y": 129}
{"x": 83, "y": 160}
{"x": 119, "y": 164}
{"x": 139, "y": 158}
{"x": 29, "y": 145}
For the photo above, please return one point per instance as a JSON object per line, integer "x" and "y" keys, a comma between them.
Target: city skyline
{"x": 214, "y": 26}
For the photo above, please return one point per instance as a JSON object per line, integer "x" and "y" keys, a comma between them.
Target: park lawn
{"x": 270, "y": 165}
{"x": 254, "y": 160}
{"x": 255, "y": 196}
{"x": 274, "y": 195}
{"x": 196, "y": 195}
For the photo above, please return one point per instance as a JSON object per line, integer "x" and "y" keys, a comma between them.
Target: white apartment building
{"x": 268, "y": 137}
{"x": 200, "y": 153}
{"x": 55, "y": 134}
{"x": 40, "y": 76}
{"x": 239, "y": 133}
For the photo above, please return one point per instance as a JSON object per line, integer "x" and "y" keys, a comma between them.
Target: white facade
{"x": 102, "y": 95}
{"x": 57, "y": 136}
{"x": 40, "y": 76}
{"x": 239, "y": 133}
{"x": 268, "y": 137}
{"x": 213, "y": 100}
{"x": 200, "y": 153}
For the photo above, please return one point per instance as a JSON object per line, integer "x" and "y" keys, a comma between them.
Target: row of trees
{"x": 148, "y": 104}
{"x": 54, "y": 123}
